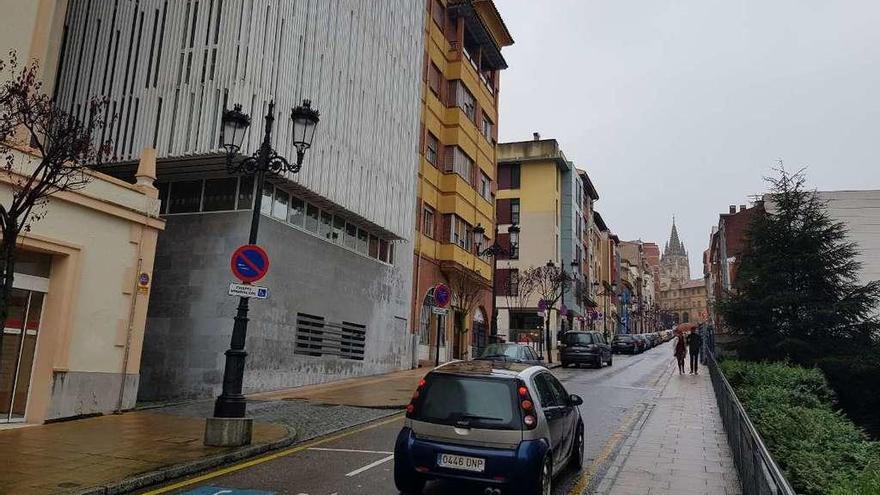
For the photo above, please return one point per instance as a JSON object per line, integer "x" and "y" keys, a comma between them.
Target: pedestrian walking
{"x": 695, "y": 344}
{"x": 680, "y": 351}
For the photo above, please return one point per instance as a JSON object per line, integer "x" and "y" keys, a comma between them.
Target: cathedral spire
{"x": 674, "y": 246}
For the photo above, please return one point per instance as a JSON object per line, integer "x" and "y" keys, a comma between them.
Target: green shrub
{"x": 818, "y": 448}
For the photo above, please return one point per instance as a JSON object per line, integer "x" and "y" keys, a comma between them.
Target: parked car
{"x": 645, "y": 344}
{"x": 506, "y": 426}
{"x": 516, "y": 353}
{"x": 585, "y": 348}
{"x": 625, "y": 344}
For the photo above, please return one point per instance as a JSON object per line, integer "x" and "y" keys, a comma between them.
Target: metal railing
{"x": 758, "y": 472}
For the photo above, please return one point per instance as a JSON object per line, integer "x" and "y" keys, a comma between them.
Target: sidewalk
{"x": 679, "y": 447}
{"x": 135, "y": 449}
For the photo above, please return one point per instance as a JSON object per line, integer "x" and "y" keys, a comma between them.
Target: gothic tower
{"x": 674, "y": 266}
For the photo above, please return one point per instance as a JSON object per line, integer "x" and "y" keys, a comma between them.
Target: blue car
{"x": 508, "y": 427}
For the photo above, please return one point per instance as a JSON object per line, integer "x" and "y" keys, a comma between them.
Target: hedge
{"x": 819, "y": 449}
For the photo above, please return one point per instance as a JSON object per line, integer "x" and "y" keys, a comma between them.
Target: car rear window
{"x": 624, "y": 338}
{"x": 478, "y": 402}
{"x": 578, "y": 338}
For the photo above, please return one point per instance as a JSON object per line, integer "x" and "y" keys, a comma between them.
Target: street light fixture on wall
{"x": 496, "y": 250}
{"x": 231, "y": 403}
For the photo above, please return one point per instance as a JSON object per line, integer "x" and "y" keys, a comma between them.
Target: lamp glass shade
{"x": 514, "y": 234}
{"x": 235, "y": 125}
{"x": 305, "y": 120}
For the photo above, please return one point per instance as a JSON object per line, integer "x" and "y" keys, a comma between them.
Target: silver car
{"x": 508, "y": 427}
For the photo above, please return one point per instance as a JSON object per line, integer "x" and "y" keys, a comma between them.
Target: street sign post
{"x": 248, "y": 290}
{"x": 439, "y": 311}
{"x": 442, "y": 296}
{"x": 249, "y": 263}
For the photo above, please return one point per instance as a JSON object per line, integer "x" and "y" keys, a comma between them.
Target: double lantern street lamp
{"x": 231, "y": 402}
{"x": 496, "y": 250}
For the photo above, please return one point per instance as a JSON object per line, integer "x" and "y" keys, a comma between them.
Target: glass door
{"x": 18, "y": 351}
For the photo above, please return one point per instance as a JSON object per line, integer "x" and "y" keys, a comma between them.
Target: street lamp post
{"x": 496, "y": 250}
{"x": 230, "y": 405}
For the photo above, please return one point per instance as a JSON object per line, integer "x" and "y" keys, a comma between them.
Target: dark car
{"x": 505, "y": 427}
{"x": 510, "y": 352}
{"x": 643, "y": 343}
{"x": 585, "y": 348}
{"x": 625, "y": 344}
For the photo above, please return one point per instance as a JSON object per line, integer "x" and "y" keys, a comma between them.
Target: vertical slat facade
{"x": 168, "y": 66}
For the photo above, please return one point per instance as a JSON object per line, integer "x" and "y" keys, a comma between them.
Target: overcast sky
{"x": 681, "y": 107}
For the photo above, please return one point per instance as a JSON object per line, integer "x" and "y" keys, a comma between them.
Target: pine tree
{"x": 796, "y": 295}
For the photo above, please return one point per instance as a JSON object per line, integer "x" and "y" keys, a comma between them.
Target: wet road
{"x": 360, "y": 461}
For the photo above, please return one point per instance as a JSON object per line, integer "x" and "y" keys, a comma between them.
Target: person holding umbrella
{"x": 680, "y": 351}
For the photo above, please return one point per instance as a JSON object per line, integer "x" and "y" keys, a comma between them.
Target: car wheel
{"x": 545, "y": 477}
{"x": 407, "y": 482}
{"x": 564, "y": 364}
{"x": 610, "y": 360}
{"x": 576, "y": 459}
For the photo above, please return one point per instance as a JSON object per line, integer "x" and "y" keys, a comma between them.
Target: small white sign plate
{"x": 247, "y": 290}
{"x": 439, "y": 311}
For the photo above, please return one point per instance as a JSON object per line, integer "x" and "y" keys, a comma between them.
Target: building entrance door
{"x": 19, "y": 345}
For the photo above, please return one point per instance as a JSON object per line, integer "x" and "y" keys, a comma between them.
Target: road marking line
{"x": 369, "y": 466}
{"x": 609, "y": 447}
{"x": 270, "y": 457}
{"x": 352, "y": 450}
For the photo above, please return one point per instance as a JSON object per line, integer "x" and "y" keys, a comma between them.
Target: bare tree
{"x": 467, "y": 289}
{"x": 45, "y": 150}
{"x": 549, "y": 282}
{"x": 518, "y": 290}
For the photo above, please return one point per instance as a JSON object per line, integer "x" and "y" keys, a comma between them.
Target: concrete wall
{"x": 860, "y": 211}
{"x": 190, "y": 314}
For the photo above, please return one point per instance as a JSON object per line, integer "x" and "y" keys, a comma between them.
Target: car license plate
{"x": 462, "y": 462}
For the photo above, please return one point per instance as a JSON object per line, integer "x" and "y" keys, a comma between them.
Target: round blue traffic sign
{"x": 250, "y": 263}
{"x": 441, "y": 296}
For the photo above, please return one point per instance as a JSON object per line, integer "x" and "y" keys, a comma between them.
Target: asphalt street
{"x": 360, "y": 461}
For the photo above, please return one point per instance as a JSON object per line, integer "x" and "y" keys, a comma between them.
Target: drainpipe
{"x": 145, "y": 176}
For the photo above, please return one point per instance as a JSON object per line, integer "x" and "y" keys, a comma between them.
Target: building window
{"x": 514, "y": 210}
{"x": 434, "y": 78}
{"x": 485, "y": 187}
{"x": 220, "y": 194}
{"x": 279, "y": 206}
{"x": 245, "y": 193}
{"x": 432, "y": 149}
{"x": 508, "y": 175}
{"x": 185, "y": 196}
{"x": 459, "y": 232}
{"x": 462, "y": 164}
{"x": 374, "y": 247}
{"x": 363, "y": 241}
{"x": 486, "y": 128}
{"x": 325, "y": 229}
{"x": 266, "y": 201}
{"x": 464, "y": 99}
{"x": 312, "y": 218}
{"x": 297, "y": 212}
{"x": 338, "y": 229}
{"x": 351, "y": 236}
{"x": 428, "y": 221}
{"x": 437, "y": 13}
{"x": 383, "y": 250}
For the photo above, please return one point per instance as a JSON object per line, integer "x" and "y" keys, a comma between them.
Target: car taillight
{"x": 530, "y": 417}
{"x": 411, "y": 407}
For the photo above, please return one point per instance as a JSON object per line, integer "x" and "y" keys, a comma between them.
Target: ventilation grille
{"x": 317, "y": 337}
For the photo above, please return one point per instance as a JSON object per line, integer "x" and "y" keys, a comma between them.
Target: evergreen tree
{"x": 796, "y": 295}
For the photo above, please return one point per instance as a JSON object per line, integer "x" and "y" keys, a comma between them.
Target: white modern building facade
{"x": 337, "y": 233}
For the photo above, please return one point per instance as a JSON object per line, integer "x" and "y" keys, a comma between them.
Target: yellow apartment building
{"x": 457, "y": 178}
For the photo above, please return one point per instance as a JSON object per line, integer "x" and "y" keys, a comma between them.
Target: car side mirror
{"x": 575, "y": 400}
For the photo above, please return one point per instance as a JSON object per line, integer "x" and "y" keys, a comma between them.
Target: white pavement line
{"x": 370, "y": 466}
{"x": 352, "y": 450}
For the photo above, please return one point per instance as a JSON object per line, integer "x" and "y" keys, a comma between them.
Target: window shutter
{"x": 502, "y": 211}
{"x": 502, "y": 279}
{"x": 504, "y": 242}
{"x": 446, "y": 226}
{"x": 448, "y": 158}
{"x": 422, "y": 138}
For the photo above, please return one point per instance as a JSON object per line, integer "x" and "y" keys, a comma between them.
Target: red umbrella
{"x": 685, "y": 327}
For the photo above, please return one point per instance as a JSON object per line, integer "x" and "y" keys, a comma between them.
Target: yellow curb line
{"x": 270, "y": 457}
